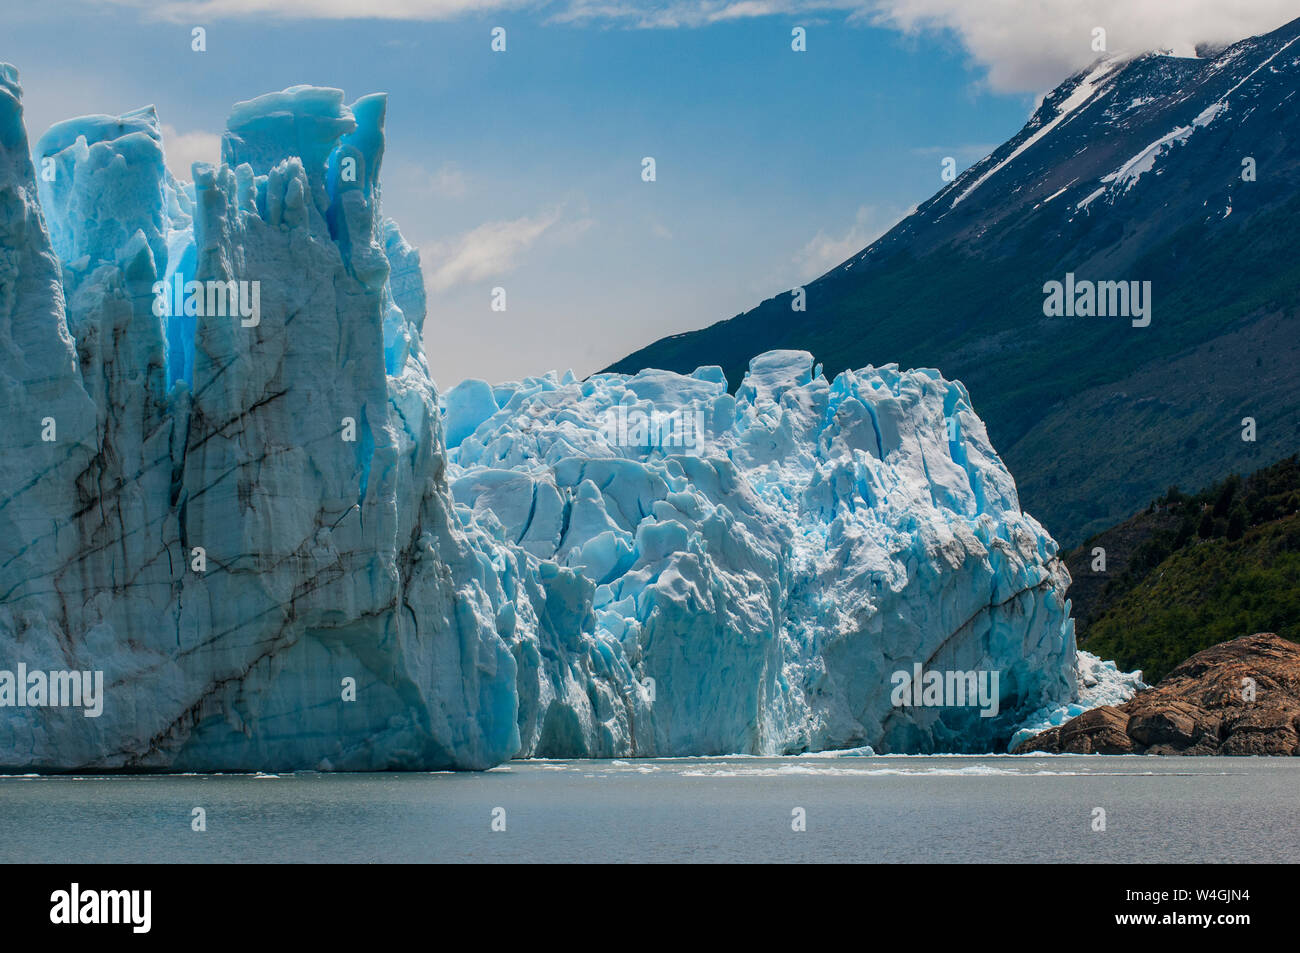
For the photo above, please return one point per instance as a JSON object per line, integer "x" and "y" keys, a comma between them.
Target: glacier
{"x": 1100, "y": 683}
{"x": 285, "y": 549}
{"x": 769, "y": 575}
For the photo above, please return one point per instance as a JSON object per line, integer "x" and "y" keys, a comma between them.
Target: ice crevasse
{"x": 285, "y": 550}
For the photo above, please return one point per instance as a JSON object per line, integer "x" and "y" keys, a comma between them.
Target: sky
{"x": 523, "y": 169}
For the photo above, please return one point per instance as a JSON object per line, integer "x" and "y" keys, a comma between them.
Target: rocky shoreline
{"x": 1235, "y": 698}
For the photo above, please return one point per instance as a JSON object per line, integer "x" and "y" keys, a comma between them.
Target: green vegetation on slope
{"x": 1195, "y": 571}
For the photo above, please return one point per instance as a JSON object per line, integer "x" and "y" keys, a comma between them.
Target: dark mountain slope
{"x": 1130, "y": 170}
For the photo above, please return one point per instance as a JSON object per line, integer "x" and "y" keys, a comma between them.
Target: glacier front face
{"x": 283, "y": 550}
{"x": 746, "y": 573}
{"x": 213, "y": 440}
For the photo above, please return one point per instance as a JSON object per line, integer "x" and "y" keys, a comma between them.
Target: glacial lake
{"x": 876, "y": 809}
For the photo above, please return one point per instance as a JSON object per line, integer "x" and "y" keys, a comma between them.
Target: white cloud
{"x": 493, "y": 249}
{"x": 693, "y": 13}
{"x": 1024, "y": 45}
{"x": 1031, "y": 45}
{"x": 447, "y": 182}
{"x": 183, "y": 149}
{"x": 823, "y": 252}
{"x": 199, "y": 11}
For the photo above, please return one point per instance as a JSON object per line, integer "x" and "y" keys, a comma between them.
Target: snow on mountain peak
{"x": 1091, "y": 85}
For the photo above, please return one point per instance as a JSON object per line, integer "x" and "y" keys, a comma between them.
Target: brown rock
{"x": 1099, "y": 731}
{"x": 1049, "y": 740}
{"x": 1158, "y": 719}
{"x": 1235, "y": 698}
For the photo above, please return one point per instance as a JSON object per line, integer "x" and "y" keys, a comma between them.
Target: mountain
{"x": 239, "y": 529}
{"x": 1181, "y": 172}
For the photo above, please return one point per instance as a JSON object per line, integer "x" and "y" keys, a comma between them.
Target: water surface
{"x": 877, "y": 809}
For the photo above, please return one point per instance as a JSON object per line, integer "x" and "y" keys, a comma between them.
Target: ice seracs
{"x": 768, "y": 582}
{"x": 1100, "y": 683}
{"x": 199, "y": 528}
{"x": 284, "y": 550}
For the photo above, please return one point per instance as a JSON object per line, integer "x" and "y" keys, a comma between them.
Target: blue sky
{"x": 523, "y": 169}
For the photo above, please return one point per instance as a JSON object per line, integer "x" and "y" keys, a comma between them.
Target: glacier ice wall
{"x": 755, "y": 586}
{"x": 235, "y": 515}
{"x": 1099, "y": 683}
{"x": 324, "y": 558}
